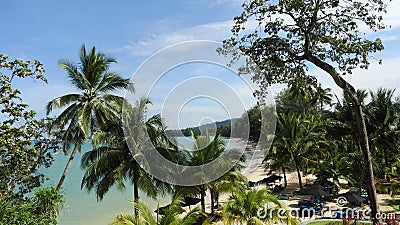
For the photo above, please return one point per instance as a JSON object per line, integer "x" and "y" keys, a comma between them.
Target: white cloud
{"x": 216, "y": 31}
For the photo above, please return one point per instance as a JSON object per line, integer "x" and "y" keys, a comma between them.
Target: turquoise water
{"x": 82, "y": 208}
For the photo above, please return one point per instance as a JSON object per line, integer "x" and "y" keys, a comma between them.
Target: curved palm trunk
{"x": 363, "y": 136}
{"x": 68, "y": 166}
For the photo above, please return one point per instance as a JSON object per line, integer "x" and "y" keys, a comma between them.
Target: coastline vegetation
{"x": 354, "y": 137}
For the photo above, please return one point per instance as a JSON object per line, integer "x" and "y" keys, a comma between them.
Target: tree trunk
{"x": 202, "y": 198}
{"x": 284, "y": 176}
{"x": 68, "y": 166}
{"x": 363, "y": 136}
{"x": 298, "y": 173}
{"x": 212, "y": 194}
{"x": 135, "y": 182}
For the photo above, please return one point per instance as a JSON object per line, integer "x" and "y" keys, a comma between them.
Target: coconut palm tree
{"x": 255, "y": 207}
{"x": 323, "y": 96}
{"x": 205, "y": 151}
{"x": 93, "y": 107}
{"x": 172, "y": 216}
{"x": 299, "y": 135}
{"x": 382, "y": 116}
{"x": 112, "y": 161}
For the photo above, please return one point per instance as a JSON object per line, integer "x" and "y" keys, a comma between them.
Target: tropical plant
{"x": 112, "y": 161}
{"x": 299, "y": 136}
{"x": 292, "y": 36}
{"x": 394, "y": 173}
{"x": 92, "y": 108}
{"x": 172, "y": 215}
{"x": 205, "y": 151}
{"x": 255, "y": 207}
{"x": 382, "y": 120}
{"x": 48, "y": 201}
{"x": 41, "y": 209}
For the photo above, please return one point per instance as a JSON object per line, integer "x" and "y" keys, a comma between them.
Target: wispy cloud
{"x": 216, "y": 31}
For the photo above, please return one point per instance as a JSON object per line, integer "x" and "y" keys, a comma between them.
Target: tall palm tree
{"x": 256, "y": 207}
{"x": 94, "y": 106}
{"x": 172, "y": 216}
{"x": 111, "y": 162}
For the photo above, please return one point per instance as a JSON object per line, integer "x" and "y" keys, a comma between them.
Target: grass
{"x": 333, "y": 222}
{"x": 395, "y": 204}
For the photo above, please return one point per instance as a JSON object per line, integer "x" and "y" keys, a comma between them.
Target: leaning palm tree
{"x": 172, "y": 216}
{"x": 93, "y": 107}
{"x": 256, "y": 207}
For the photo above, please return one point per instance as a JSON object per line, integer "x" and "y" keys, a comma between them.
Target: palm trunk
{"x": 212, "y": 194}
{"x": 284, "y": 176}
{"x": 135, "y": 182}
{"x": 202, "y": 198}
{"x": 68, "y": 166}
{"x": 298, "y": 173}
{"x": 363, "y": 136}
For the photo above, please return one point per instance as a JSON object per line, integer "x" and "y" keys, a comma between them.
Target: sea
{"x": 83, "y": 208}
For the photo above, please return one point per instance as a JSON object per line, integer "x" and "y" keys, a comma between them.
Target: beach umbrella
{"x": 188, "y": 201}
{"x": 270, "y": 179}
{"x": 162, "y": 210}
{"x": 353, "y": 197}
{"x": 314, "y": 191}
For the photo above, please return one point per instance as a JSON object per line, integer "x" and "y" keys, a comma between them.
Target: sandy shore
{"x": 258, "y": 173}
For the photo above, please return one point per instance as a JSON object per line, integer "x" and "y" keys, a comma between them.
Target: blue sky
{"x": 131, "y": 31}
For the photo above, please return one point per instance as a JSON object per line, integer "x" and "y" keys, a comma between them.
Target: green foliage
{"x": 41, "y": 209}
{"x": 292, "y": 32}
{"x": 112, "y": 163}
{"x": 205, "y": 151}
{"x": 90, "y": 110}
{"x": 25, "y": 143}
{"x": 255, "y": 207}
{"x": 172, "y": 216}
{"x": 48, "y": 202}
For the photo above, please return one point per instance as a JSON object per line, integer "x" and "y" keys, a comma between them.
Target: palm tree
{"x": 172, "y": 216}
{"x": 394, "y": 172}
{"x": 299, "y": 135}
{"x": 323, "y": 96}
{"x": 205, "y": 151}
{"x": 381, "y": 118}
{"x": 112, "y": 162}
{"x": 255, "y": 207}
{"x": 93, "y": 107}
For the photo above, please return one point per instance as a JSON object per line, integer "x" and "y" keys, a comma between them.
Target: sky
{"x": 133, "y": 31}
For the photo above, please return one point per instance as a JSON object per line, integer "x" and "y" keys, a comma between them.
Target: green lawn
{"x": 395, "y": 204}
{"x": 333, "y": 222}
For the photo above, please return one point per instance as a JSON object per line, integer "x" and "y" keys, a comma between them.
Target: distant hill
{"x": 210, "y": 127}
